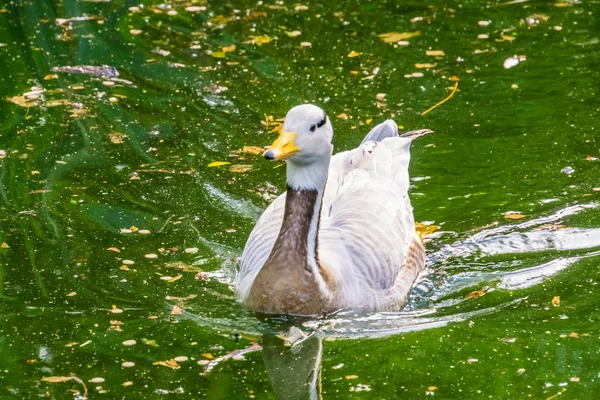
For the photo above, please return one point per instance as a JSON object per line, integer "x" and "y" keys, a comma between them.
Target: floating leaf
{"x": 57, "y": 379}
{"x": 343, "y": 116}
{"x": 218, "y": 54}
{"x": 351, "y": 376}
{"x": 354, "y": 54}
{"x": 424, "y": 230}
{"x": 150, "y": 342}
{"x": 474, "y": 295}
{"x": 240, "y": 168}
{"x": 175, "y": 278}
{"x": 253, "y": 149}
{"x": 176, "y": 310}
{"x": 169, "y": 363}
{"x": 293, "y": 33}
{"x": 218, "y": 163}
{"x": 514, "y": 216}
{"x": 435, "y": 53}
{"x": 425, "y": 65}
{"x": 208, "y": 355}
{"x": 392, "y": 37}
{"x": 228, "y": 49}
{"x": 556, "y": 301}
{"x": 259, "y": 40}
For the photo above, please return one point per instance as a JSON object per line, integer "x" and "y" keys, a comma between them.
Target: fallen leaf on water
{"x": 424, "y": 230}
{"x": 72, "y": 294}
{"x": 293, "y": 33}
{"x": 116, "y": 137}
{"x": 253, "y": 149}
{"x": 514, "y": 216}
{"x": 208, "y": 355}
{"x": 574, "y": 335}
{"x": 259, "y": 40}
{"x": 169, "y": 363}
{"x": 556, "y": 301}
{"x": 435, "y": 53}
{"x": 392, "y": 37}
{"x": 56, "y": 379}
{"x": 240, "y": 168}
{"x": 432, "y": 388}
{"x": 425, "y": 65}
{"x": 5, "y": 245}
{"x": 218, "y": 54}
{"x": 150, "y": 342}
{"x": 351, "y": 376}
{"x": 590, "y": 158}
{"x": 343, "y": 116}
{"x": 354, "y": 54}
{"x": 218, "y": 163}
{"x": 114, "y": 249}
{"x": 474, "y": 295}
{"x": 227, "y": 49}
{"x": 96, "y": 380}
{"x": 175, "y": 278}
{"x": 176, "y": 310}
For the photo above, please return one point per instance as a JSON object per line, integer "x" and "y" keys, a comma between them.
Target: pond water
{"x": 119, "y": 243}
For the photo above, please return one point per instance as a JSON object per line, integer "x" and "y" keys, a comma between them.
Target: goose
{"x": 343, "y": 234}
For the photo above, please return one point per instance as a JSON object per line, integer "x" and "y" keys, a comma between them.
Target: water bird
{"x": 343, "y": 235}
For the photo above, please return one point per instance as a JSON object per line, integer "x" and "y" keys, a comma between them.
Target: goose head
{"x": 305, "y": 138}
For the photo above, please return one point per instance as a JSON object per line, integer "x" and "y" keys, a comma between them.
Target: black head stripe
{"x": 322, "y": 122}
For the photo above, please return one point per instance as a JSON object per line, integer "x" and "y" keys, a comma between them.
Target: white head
{"x": 305, "y": 137}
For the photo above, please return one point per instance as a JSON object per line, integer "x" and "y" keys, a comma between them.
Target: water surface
{"x": 120, "y": 243}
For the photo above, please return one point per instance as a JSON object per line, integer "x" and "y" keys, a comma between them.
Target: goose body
{"x": 343, "y": 235}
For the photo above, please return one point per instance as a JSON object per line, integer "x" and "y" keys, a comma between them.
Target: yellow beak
{"x": 283, "y": 147}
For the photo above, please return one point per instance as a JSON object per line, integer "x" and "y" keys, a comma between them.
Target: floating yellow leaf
{"x": 425, "y": 65}
{"x": 208, "y": 355}
{"x": 218, "y": 54}
{"x": 176, "y": 310}
{"x": 227, "y": 49}
{"x": 514, "y": 216}
{"x": 475, "y": 294}
{"x": 240, "y": 168}
{"x": 432, "y": 388}
{"x": 556, "y": 301}
{"x": 351, "y": 376}
{"x": 424, "y": 230}
{"x": 169, "y": 363}
{"x": 150, "y": 342}
{"x": 392, "y": 37}
{"x": 218, "y": 163}
{"x": 293, "y": 33}
{"x": 253, "y": 149}
{"x": 114, "y": 249}
{"x": 435, "y": 53}
{"x": 56, "y": 379}
{"x": 259, "y": 40}
{"x": 342, "y": 116}
{"x": 175, "y": 278}
{"x": 354, "y": 54}
{"x": 4, "y": 245}
{"x": 574, "y": 335}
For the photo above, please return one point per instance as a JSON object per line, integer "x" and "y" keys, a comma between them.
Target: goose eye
{"x": 312, "y": 128}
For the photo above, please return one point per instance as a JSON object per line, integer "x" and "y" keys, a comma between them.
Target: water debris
{"x": 453, "y": 90}
{"x": 259, "y": 40}
{"x": 476, "y": 294}
{"x": 343, "y": 116}
{"x": 351, "y": 376}
{"x": 169, "y": 363}
{"x": 5, "y": 245}
{"x": 556, "y": 301}
{"x": 191, "y": 250}
{"x": 354, "y": 54}
{"x": 218, "y": 163}
{"x": 64, "y": 21}
{"x": 236, "y": 355}
{"x": 96, "y": 380}
{"x": 424, "y": 65}
{"x": 195, "y": 9}
{"x": 59, "y": 379}
{"x": 567, "y": 170}
{"x": 130, "y": 342}
{"x": 536, "y": 19}
{"x": 176, "y": 310}
{"x": 514, "y": 215}
{"x": 435, "y": 53}
{"x": 513, "y": 61}
{"x": 240, "y": 168}
{"x": 393, "y": 37}
{"x": 128, "y": 364}
{"x": 104, "y": 70}
{"x": 150, "y": 342}
{"x": 294, "y": 33}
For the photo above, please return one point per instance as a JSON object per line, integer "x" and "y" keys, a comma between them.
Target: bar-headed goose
{"x": 343, "y": 235}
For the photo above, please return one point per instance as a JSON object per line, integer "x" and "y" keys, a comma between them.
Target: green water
{"x": 88, "y": 156}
